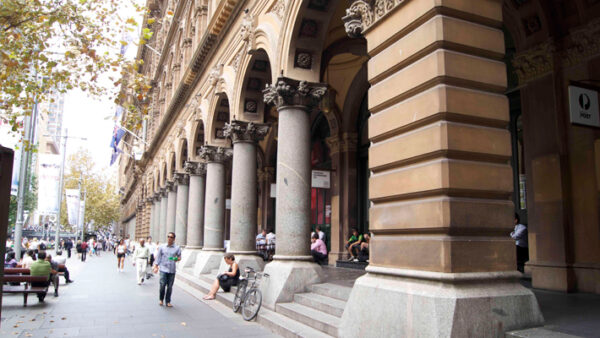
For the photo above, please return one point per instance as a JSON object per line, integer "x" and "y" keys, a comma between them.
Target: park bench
{"x": 26, "y": 288}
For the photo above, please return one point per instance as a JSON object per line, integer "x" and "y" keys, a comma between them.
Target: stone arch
{"x": 249, "y": 104}
{"x": 305, "y": 33}
{"x": 220, "y": 115}
{"x": 182, "y": 154}
{"x": 171, "y": 165}
{"x": 196, "y": 138}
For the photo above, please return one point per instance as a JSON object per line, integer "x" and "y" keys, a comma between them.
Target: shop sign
{"x": 321, "y": 179}
{"x": 583, "y": 106}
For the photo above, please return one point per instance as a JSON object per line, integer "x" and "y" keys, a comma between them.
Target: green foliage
{"x": 102, "y": 199}
{"x": 30, "y": 201}
{"x": 62, "y": 44}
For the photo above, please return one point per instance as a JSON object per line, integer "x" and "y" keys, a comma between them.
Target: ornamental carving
{"x": 363, "y": 14}
{"x": 163, "y": 191}
{"x": 289, "y": 92}
{"x": 240, "y": 131}
{"x": 195, "y": 168}
{"x": 215, "y": 154}
{"x": 181, "y": 179}
{"x": 279, "y": 9}
{"x": 157, "y": 196}
{"x": 266, "y": 174}
{"x": 170, "y": 186}
{"x": 535, "y": 62}
{"x": 215, "y": 75}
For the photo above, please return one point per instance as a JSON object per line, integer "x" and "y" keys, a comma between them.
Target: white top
{"x": 60, "y": 259}
{"x": 271, "y": 238}
{"x": 121, "y": 249}
{"x": 27, "y": 261}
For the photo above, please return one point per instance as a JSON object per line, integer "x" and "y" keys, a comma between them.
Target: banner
{"x": 72, "y": 206}
{"x": 48, "y": 183}
{"x": 81, "y": 214}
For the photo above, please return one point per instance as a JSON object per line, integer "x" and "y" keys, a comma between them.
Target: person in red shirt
{"x": 318, "y": 249}
{"x": 84, "y": 247}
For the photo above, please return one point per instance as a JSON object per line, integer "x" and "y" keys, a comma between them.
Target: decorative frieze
{"x": 535, "y": 62}
{"x": 363, "y": 14}
{"x": 215, "y": 154}
{"x": 289, "y": 92}
{"x": 195, "y": 168}
{"x": 240, "y": 131}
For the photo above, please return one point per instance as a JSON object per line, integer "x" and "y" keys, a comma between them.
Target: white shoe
{"x": 139, "y": 283}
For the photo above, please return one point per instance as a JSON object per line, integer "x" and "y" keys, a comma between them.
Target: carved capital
{"x": 363, "y": 14}
{"x": 215, "y": 154}
{"x": 157, "y": 196}
{"x": 289, "y": 92}
{"x": 181, "y": 179}
{"x": 170, "y": 186}
{"x": 240, "y": 131}
{"x": 535, "y": 62}
{"x": 163, "y": 192}
{"x": 195, "y": 168}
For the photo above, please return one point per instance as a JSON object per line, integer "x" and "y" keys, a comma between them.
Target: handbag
{"x": 223, "y": 277}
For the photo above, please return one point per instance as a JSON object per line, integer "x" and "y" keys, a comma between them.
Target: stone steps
{"x": 314, "y": 318}
{"x": 331, "y": 290}
{"x": 277, "y": 323}
{"x": 332, "y": 306}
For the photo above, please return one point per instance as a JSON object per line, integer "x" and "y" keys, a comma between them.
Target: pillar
{"x": 195, "y": 221}
{"x": 292, "y": 268}
{"x": 244, "y": 136}
{"x": 171, "y": 207}
{"x": 156, "y": 221}
{"x": 266, "y": 176}
{"x": 214, "y": 209}
{"x": 181, "y": 209}
{"x": 162, "y": 228}
{"x": 441, "y": 261}
{"x": 150, "y": 201}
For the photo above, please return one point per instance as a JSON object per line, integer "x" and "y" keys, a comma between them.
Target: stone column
{"x": 156, "y": 220}
{"x": 244, "y": 136}
{"x": 441, "y": 177}
{"x": 266, "y": 176}
{"x": 292, "y": 269}
{"x": 181, "y": 210}
{"x": 162, "y": 228}
{"x": 214, "y": 209}
{"x": 195, "y": 224}
{"x": 171, "y": 207}
{"x": 150, "y": 201}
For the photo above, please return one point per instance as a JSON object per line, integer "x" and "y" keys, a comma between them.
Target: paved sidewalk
{"x": 106, "y": 303}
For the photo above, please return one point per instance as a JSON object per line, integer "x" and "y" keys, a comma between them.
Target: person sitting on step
{"x": 225, "y": 280}
{"x": 318, "y": 250}
{"x": 353, "y": 244}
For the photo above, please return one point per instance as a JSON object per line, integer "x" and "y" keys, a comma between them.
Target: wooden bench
{"x": 26, "y": 288}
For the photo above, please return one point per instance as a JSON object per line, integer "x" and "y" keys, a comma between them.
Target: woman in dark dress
{"x": 227, "y": 279}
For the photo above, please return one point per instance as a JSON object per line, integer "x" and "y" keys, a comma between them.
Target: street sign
{"x": 321, "y": 179}
{"x": 583, "y": 106}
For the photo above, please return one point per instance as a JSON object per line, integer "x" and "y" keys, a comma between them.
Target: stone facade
{"x": 419, "y": 111}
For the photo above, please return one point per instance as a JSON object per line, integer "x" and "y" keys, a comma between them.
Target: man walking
{"x": 166, "y": 257}
{"x": 68, "y": 247}
{"x": 140, "y": 260}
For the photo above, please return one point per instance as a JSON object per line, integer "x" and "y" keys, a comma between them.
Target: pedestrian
{"x": 152, "y": 249}
{"x": 225, "y": 280}
{"x": 140, "y": 260}
{"x": 520, "y": 237}
{"x": 167, "y": 256}
{"x": 68, "y": 247}
{"x": 121, "y": 250}
{"x": 84, "y": 247}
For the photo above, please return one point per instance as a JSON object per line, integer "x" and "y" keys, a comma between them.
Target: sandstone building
{"x": 427, "y": 123}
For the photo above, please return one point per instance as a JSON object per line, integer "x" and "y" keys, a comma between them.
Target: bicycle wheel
{"x": 237, "y": 301}
{"x": 251, "y": 304}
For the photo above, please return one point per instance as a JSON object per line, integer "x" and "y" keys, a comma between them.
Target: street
{"x": 106, "y": 303}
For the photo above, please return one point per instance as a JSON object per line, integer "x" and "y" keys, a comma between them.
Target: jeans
{"x": 166, "y": 280}
{"x": 83, "y": 253}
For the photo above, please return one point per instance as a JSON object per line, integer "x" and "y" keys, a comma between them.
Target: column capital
{"x": 181, "y": 179}
{"x": 163, "y": 192}
{"x": 195, "y": 168}
{"x": 290, "y": 92}
{"x": 156, "y": 196}
{"x": 215, "y": 154}
{"x": 170, "y": 186}
{"x": 241, "y": 131}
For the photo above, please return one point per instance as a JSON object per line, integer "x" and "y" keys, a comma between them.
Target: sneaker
{"x": 355, "y": 260}
{"x": 351, "y": 259}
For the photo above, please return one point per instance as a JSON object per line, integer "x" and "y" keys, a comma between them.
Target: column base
{"x": 438, "y": 305}
{"x": 286, "y": 278}
{"x": 243, "y": 261}
{"x": 207, "y": 260}
{"x": 188, "y": 257}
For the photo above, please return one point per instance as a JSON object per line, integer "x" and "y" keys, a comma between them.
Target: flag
{"x": 115, "y": 155}
{"x": 116, "y": 137}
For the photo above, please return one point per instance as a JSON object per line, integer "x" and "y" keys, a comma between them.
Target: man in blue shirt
{"x": 167, "y": 256}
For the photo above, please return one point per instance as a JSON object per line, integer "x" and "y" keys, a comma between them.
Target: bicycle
{"x": 251, "y": 300}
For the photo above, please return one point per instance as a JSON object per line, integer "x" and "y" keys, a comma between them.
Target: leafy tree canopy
{"x": 63, "y": 44}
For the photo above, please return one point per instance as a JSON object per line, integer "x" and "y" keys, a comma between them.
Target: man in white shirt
{"x": 520, "y": 237}
{"x": 60, "y": 260}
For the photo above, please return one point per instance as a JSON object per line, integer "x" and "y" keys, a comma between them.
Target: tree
{"x": 50, "y": 45}
{"x": 102, "y": 199}
{"x": 29, "y": 202}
